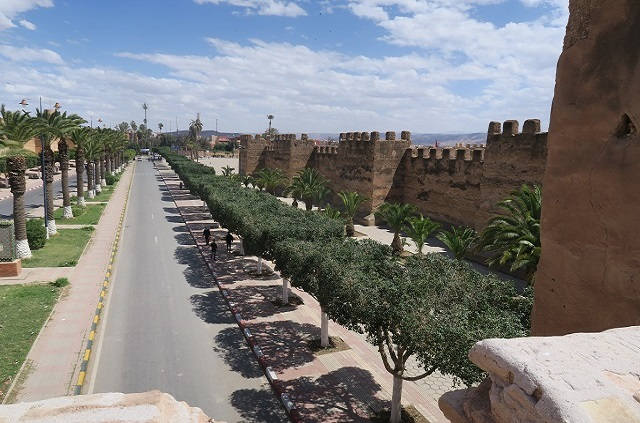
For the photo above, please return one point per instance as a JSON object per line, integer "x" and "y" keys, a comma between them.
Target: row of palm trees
{"x": 101, "y": 150}
{"x": 512, "y": 237}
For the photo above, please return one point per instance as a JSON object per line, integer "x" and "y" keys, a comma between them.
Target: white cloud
{"x": 264, "y": 7}
{"x": 25, "y": 54}
{"x": 29, "y": 25}
{"x": 9, "y": 9}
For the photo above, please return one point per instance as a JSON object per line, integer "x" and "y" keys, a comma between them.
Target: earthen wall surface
{"x": 589, "y": 273}
{"x": 455, "y": 185}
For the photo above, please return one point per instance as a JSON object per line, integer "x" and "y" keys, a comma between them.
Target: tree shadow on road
{"x": 196, "y": 273}
{"x": 257, "y": 300}
{"x": 230, "y": 343}
{"x": 343, "y": 395}
{"x": 184, "y": 238}
{"x": 212, "y": 308}
{"x": 284, "y": 344}
{"x": 257, "y": 406}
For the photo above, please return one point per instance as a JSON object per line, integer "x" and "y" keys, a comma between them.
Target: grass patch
{"x": 104, "y": 195}
{"x": 61, "y": 250}
{"x": 60, "y": 282}
{"x": 89, "y": 215}
{"x": 23, "y": 310}
{"x": 335, "y": 344}
{"x": 408, "y": 415}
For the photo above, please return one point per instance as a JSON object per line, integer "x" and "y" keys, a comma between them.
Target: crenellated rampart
{"x": 457, "y": 185}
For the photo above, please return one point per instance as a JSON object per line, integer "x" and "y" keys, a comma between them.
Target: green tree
{"x": 51, "y": 125}
{"x": 15, "y": 130}
{"x": 396, "y": 215}
{"x": 79, "y": 137}
{"x": 514, "y": 236}
{"x": 92, "y": 150}
{"x": 270, "y": 179}
{"x": 458, "y": 240}
{"x": 307, "y": 185}
{"x": 351, "y": 202}
{"x": 332, "y": 212}
{"x": 419, "y": 229}
{"x": 123, "y": 127}
{"x": 227, "y": 171}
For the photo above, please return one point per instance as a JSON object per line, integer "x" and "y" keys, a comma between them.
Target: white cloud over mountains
{"x": 459, "y": 72}
{"x": 9, "y": 9}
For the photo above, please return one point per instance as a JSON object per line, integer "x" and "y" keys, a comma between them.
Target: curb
{"x": 272, "y": 377}
{"x": 77, "y": 390}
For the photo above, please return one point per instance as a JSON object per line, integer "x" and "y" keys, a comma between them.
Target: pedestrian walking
{"x": 180, "y": 184}
{"x": 214, "y": 249}
{"x": 207, "y": 235}
{"x": 229, "y": 239}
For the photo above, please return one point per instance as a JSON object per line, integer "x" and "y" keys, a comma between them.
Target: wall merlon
{"x": 304, "y": 137}
{"x": 405, "y": 135}
{"x": 510, "y": 127}
{"x": 494, "y": 128}
{"x": 531, "y": 126}
{"x": 390, "y": 136}
{"x": 375, "y": 136}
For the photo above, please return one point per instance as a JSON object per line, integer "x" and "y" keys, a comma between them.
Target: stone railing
{"x": 582, "y": 378}
{"x": 148, "y": 407}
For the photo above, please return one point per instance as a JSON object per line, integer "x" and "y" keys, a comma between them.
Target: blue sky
{"x": 318, "y": 66}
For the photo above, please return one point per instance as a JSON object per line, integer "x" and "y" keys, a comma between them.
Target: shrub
{"x": 60, "y": 282}
{"x": 111, "y": 179}
{"x": 36, "y": 233}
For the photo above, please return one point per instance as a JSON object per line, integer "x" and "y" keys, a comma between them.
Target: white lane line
{"x": 155, "y": 239}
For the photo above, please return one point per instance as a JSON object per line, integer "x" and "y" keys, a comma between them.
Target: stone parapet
{"x": 582, "y": 377}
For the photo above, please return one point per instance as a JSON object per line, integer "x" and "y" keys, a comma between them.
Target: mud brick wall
{"x": 458, "y": 186}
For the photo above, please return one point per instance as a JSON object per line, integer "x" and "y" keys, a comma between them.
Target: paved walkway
{"x": 37, "y": 274}
{"x": 51, "y": 365}
{"x": 334, "y": 387}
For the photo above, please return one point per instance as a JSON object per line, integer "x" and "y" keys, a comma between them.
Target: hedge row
{"x": 430, "y": 307}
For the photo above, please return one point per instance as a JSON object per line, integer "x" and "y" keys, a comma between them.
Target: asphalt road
{"x": 34, "y": 198}
{"x": 165, "y": 325}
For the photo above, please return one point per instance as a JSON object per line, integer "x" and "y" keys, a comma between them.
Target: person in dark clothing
{"x": 207, "y": 235}
{"x": 229, "y": 239}
{"x": 180, "y": 184}
{"x": 214, "y": 249}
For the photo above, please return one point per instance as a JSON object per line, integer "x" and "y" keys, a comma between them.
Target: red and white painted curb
{"x": 272, "y": 377}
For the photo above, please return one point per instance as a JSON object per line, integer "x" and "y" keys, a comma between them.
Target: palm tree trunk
{"x": 90, "y": 180}
{"x": 108, "y": 164}
{"x": 349, "y": 227}
{"x": 396, "y": 244}
{"x": 103, "y": 180}
{"x": 308, "y": 204}
{"x": 63, "y": 155}
{"x": 49, "y": 162}
{"x": 96, "y": 172}
{"x": 79, "y": 175}
{"x": 16, "y": 167}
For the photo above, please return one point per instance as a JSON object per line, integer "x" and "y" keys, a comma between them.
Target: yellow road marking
{"x": 87, "y": 353}
{"x": 95, "y": 319}
{"x": 81, "y": 378}
{"x": 92, "y": 335}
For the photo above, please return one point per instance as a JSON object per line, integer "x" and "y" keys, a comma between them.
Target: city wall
{"x": 455, "y": 185}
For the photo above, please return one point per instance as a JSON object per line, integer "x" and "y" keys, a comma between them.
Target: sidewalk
{"x": 51, "y": 364}
{"x": 332, "y": 387}
{"x": 37, "y": 274}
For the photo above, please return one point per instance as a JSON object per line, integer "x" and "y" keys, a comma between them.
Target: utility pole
{"x": 145, "y": 107}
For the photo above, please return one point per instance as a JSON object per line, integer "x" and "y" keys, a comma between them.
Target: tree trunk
{"x": 108, "y": 165}
{"x": 103, "y": 166}
{"x": 16, "y": 167}
{"x": 79, "y": 175}
{"x": 285, "y": 291}
{"x": 295, "y": 203}
{"x": 308, "y": 204}
{"x": 349, "y": 227}
{"x": 324, "y": 329}
{"x": 397, "y": 243}
{"x": 63, "y": 155}
{"x": 91, "y": 180}
{"x": 96, "y": 180}
{"x": 260, "y": 265}
{"x": 49, "y": 162}
{"x": 396, "y": 398}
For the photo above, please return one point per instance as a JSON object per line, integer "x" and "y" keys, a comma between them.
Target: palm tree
{"x": 332, "y": 212}
{"x": 195, "y": 128}
{"x": 160, "y": 126}
{"x": 270, "y": 179}
{"x": 79, "y": 137}
{"x": 514, "y": 237}
{"x": 227, "y": 171}
{"x": 308, "y": 184}
{"x": 15, "y": 130}
{"x": 50, "y": 125}
{"x": 351, "y": 202}
{"x": 396, "y": 215}
{"x": 458, "y": 240}
{"x": 247, "y": 180}
{"x": 92, "y": 149}
{"x": 419, "y": 229}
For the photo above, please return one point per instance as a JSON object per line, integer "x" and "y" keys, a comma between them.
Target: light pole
{"x": 145, "y": 107}
{"x": 270, "y": 117}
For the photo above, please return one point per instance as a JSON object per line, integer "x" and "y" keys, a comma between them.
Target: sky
{"x": 428, "y": 66}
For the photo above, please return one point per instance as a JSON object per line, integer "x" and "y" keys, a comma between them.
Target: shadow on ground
{"x": 196, "y": 273}
{"x": 211, "y": 308}
{"x": 256, "y": 405}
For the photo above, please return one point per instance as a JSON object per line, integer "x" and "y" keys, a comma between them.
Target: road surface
{"x": 34, "y": 198}
{"x": 165, "y": 325}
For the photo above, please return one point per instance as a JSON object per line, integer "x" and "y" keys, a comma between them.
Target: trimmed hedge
{"x": 36, "y": 233}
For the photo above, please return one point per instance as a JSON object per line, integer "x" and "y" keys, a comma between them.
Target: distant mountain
{"x": 423, "y": 139}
